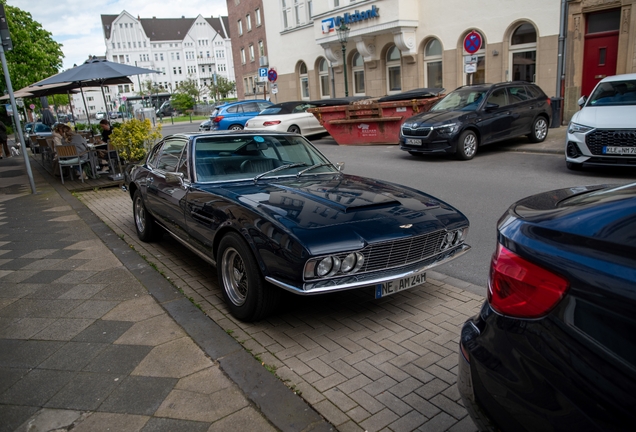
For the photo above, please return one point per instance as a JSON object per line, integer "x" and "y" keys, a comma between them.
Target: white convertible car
{"x": 287, "y": 117}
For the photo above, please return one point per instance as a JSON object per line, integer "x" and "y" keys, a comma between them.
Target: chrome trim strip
{"x": 190, "y": 247}
{"x": 343, "y": 284}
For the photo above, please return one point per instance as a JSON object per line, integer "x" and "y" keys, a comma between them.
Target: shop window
{"x": 393, "y": 70}
{"x": 433, "y": 64}
{"x": 323, "y": 73}
{"x": 523, "y": 53}
{"x": 357, "y": 67}
{"x": 304, "y": 81}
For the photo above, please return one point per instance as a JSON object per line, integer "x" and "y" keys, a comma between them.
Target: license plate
{"x": 413, "y": 141}
{"x": 397, "y": 285}
{"x": 619, "y": 150}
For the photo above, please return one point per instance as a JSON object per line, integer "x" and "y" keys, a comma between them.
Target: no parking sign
{"x": 472, "y": 42}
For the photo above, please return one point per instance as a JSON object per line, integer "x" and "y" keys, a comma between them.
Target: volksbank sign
{"x": 330, "y": 24}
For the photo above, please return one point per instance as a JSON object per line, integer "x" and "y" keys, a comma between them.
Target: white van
{"x": 603, "y": 132}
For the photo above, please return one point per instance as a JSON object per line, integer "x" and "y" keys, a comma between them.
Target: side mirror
{"x": 175, "y": 178}
{"x": 340, "y": 166}
{"x": 582, "y": 101}
{"x": 491, "y": 106}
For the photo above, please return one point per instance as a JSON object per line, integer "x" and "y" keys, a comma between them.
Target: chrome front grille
{"x": 416, "y": 132}
{"x": 401, "y": 252}
{"x": 600, "y": 138}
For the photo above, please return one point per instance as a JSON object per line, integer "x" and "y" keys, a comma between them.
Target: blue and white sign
{"x": 262, "y": 74}
{"x": 331, "y": 24}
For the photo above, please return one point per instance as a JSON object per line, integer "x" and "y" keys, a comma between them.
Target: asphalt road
{"x": 482, "y": 188}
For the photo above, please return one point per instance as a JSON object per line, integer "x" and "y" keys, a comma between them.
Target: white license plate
{"x": 619, "y": 150}
{"x": 397, "y": 285}
{"x": 413, "y": 141}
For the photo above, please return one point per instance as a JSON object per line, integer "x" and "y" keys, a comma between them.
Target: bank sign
{"x": 330, "y": 25}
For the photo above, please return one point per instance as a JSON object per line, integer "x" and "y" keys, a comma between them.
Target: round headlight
{"x": 325, "y": 266}
{"x": 348, "y": 263}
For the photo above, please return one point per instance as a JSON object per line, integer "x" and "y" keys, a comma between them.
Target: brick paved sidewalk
{"x": 363, "y": 364}
{"x": 83, "y": 344}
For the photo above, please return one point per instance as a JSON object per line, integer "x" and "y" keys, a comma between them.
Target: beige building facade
{"x": 399, "y": 45}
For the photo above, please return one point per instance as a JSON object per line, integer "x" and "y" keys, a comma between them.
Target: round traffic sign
{"x": 272, "y": 75}
{"x": 472, "y": 42}
{"x": 124, "y": 98}
{"x": 32, "y": 106}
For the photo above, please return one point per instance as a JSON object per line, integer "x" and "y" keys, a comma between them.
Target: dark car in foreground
{"x": 554, "y": 346}
{"x": 473, "y": 116}
{"x": 272, "y": 213}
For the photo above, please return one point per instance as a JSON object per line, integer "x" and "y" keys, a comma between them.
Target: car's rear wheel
{"x": 147, "y": 229}
{"x": 294, "y": 129}
{"x": 539, "y": 130}
{"x": 235, "y": 127}
{"x": 573, "y": 166}
{"x": 467, "y": 145}
{"x": 248, "y": 296}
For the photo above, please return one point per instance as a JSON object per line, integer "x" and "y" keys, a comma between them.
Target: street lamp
{"x": 343, "y": 35}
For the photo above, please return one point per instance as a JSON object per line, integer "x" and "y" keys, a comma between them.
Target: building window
{"x": 245, "y": 88}
{"x": 523, "y": 53}
{"x": 113, "y": 45}
{"x": 433, "y": 64}
{"x": 261, "y": 49}
{"x": 179, "y": 70}
{"x": 248, "y": 21}
{"x": 258, "y": 17}
{"x": 251, "y": 52}
{"x": 242, "y": 55}
{"x": 156, "y": 56}
{"x": 118, "y": 45}
{"x": 304, "y": 81}
{"x": 394, "y": 70}
{"x": 357, "y": 67}
{"x": 129, "y": 45}
{"x": 286, "y": 13}
{"x": 240, "y": 27}
{"x": 127, "y": 58}
{"x": 161, "y": 56}
{"x": 323, "y": 73}
{"x": 177, "y": 56}
{"x": 479, "y": 76}
{"x": 172, "y": 56}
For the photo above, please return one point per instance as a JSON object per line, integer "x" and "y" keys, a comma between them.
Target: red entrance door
{"x": 599, "y": 59}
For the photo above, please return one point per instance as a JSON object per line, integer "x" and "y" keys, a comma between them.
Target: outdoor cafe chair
{"x": 46, "y": 150}
{"x": 67, "y": 156}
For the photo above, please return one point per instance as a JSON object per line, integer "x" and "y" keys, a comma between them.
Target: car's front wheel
{"x": 235, "y": 127}
{"x": 248, "y": 296}
{"x": 539, "y": 130}
{"x": 467, "y": 145}
{"x": 147, "y": 229}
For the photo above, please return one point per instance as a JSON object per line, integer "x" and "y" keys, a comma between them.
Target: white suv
{"x": 603, "y": 132}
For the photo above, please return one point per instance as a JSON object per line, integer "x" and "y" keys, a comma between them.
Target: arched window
{"x": 323, "y": 73}
{"x": 478, "y": 76}
{"x": 357, "y": 67}
{"x": 523, "y": 53}
{"x": 304, "y": 81}
{"x": 433, "y": 64}
{"x": 393, "y": 70}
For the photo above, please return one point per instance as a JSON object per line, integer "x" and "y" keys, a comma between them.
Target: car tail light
{"x": 521, "y": 289}
{"x": 271, "y": 123}
{"x": 549, "y": 102}
{"x": 217, "y": 119}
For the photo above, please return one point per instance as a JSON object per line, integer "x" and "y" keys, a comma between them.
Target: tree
{"x": 35, "y": 55}
{"x": 189, "y": 87}
{"x": 182, "y": 101}
{"x": 149, "y": 87}
{"x": 223, "y": 87}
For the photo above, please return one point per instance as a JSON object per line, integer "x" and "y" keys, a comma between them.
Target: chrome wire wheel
{"x": 140, "y": 214}
{"x": 234, "y": 276}
{"x": 540, "y": 129}
{"x": 470, "y": 145}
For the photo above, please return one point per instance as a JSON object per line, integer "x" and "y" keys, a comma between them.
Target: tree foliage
{"x": 222, "y": 88}
{"x": 189, "y": 87}
{"x": 35, "y": 55}
{"x": 182, "y": 101}
{"x": 135, "y": 138}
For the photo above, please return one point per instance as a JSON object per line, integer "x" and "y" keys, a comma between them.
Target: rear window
{"x": 270, "y": 111}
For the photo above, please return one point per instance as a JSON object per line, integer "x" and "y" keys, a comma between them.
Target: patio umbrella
{"x": 95, "y": 72}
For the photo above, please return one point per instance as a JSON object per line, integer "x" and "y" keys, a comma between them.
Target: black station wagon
{"x": 272, "y": 213}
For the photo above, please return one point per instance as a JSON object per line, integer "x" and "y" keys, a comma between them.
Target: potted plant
{"x": 134, "y": 138}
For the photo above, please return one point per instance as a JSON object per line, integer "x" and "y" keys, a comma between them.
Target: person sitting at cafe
{"x": 106, "y": 130}
{"x": 67, "y": 136}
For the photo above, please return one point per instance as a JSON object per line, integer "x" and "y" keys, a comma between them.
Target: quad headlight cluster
{"x": 333, "y": 265}
{"x": 453, "y": 238}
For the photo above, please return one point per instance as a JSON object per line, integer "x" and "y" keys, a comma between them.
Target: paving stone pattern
{"x": 364, "y": 364}
{"x": 82, "y": 343}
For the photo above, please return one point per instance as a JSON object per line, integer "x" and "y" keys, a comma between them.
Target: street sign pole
{"x": 16, "y": 117}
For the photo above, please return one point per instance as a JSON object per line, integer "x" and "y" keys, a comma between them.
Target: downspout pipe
{"x": 561, "y": 49}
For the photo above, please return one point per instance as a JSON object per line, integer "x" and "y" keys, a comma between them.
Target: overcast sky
{"x": 77, "y": 25}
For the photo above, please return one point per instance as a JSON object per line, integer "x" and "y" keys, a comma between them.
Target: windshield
{"x": 614, "y": 93}
{"x": 41, "y": 127}
{"x": 270, "y": 111}
{"x": 243, "y": 157}
{"x": 460, "y": 100}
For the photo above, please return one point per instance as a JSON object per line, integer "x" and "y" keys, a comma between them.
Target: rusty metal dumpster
{"x": 372, "y": 121}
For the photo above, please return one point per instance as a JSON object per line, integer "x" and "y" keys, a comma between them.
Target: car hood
{"x": 435, "y": 117}
{"x": 331, "y": 212}
{"x": 607, "y": 117}
{"x": 599, "y": 211}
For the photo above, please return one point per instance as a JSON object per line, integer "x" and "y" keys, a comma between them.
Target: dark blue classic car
{"x": 554, "y": 346}
{"x": 271, "y": 212}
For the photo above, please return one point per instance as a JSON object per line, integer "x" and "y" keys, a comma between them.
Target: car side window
{"x": 170, "y": 155}
{"x": 263, "y": 105}
{"x": 154, "y": 155}
{"x": 499, "y": 97}
{"x": 251, "y": 107}
{"x": 517, "y": 94}
{"x": 235, "y": 109}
